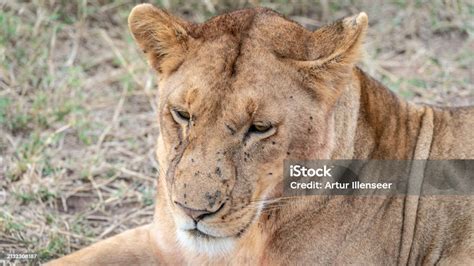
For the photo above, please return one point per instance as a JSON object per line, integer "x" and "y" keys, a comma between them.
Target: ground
{"x": 77, "y": 103}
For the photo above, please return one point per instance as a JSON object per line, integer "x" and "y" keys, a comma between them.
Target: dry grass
{"x": 77, "y": 109}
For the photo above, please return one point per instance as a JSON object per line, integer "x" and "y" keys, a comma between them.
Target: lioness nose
{"x": 195, "y": 214}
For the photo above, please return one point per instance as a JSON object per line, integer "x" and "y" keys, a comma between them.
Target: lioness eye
{"x": 180, "y": 116}
{"x": 183, "y": 115}
{"x": 260, "y": 128}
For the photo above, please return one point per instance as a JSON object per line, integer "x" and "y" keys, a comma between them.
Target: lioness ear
{"x": 331, "y": 52}
{"x": 340, "y": 41}
{"x": 160, "y": 35}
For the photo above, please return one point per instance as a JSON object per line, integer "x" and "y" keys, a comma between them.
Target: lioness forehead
{"x": 235, "y": 23}
{"x": 267, "y": 30}
{"x": 233, "y": 64}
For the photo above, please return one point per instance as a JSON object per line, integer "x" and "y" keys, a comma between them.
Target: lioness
{"x": 246, "y": 90}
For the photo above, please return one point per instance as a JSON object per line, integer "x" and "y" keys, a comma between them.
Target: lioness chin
{"x": 243, "y": 92}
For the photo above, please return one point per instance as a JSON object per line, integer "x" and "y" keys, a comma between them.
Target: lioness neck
{"x": 387, "y": 126}
{"x": 390, "y": 128}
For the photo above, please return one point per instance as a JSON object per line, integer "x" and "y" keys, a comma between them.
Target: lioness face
{"x": 236, "y": 99}
{"x": 224, "y": 136}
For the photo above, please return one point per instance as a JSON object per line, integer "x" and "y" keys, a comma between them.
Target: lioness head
{"x": 239, "y": 94}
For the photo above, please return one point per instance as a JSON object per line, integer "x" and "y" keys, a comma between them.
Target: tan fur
{"x": 256, "y": 66}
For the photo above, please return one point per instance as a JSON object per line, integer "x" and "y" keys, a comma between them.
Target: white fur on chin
{"x": 205, "y": 246}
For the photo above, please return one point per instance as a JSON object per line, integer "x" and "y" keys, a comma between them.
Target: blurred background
{"x": 77, "y": 102}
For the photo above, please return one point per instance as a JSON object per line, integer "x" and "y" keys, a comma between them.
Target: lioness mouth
{"x": 197, "y": 233}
